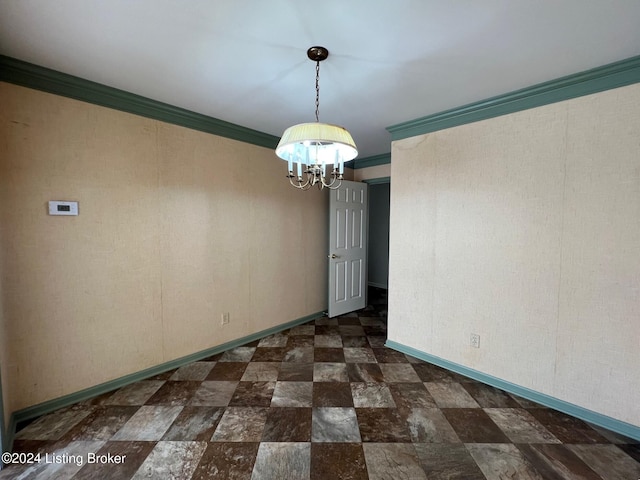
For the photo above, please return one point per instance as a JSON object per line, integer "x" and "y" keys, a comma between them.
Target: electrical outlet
{"x": 475, "y": 340}
{"x": 225, "y": 319}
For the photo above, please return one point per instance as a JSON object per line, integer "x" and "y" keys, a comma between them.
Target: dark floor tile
{"x": 227, "y": 371}
{"x": 355, "y": 341}
{"x": 351, "y": 330}
{"x": 557, "y": 462}
{"x": 377, "y": 341}
{"x": 102, "y": 423}
{"x": 174, "y": 393}
{"x": 132, "y": 454}
{"x": 269, "y": 354}
{"x": 473, "y": 425}
{"x": 371, "y": 321}
{"x": 194, "y": 424}
{"x": 308, "y": 330}
{"x": 489, "y": 397}
{"x": 448, "y": 462}
{"x": 374, "y": 330}
{"x": 382, "y": 425}
{"x": 213, "y": 394}
{"x": 329, "y": 355}
{"x": 344, "y": 461}
{"x": 364, "y": 372}
{"x": 227, "y": 460}
{"x": 296, "y": 372}
{"x": 324, "y": 321}
{"x": 432, "y": 373}
{"x": 411, "y": 395}
{"x": 566, "y": 429}
{"x": 332, "y": 394}
{"x": 349, "y": 321}
{"x": 31, "y": 446}
{"x": 300, "y": 341}
{"x": 608, "y": 461}
{"x": 502, "y": 460}
{"x": 631, "y": 449}
{"x": 287, "y": 424}
{"x": 387, "y": 355}
{"x": 391, "y": 461}
{"x": 327, "y": 330}
{"x": 253, "y": 394}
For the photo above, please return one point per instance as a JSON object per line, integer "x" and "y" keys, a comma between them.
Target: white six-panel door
{"x": 348, "y": 248}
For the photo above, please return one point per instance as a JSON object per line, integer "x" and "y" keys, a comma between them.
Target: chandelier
{"x": 319, "y": 150}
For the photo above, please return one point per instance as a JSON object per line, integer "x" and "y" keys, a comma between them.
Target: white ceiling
{"x": 244, "y": 61}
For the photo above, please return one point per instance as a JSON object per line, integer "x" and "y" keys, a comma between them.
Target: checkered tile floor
{"x": 325, "y": 400}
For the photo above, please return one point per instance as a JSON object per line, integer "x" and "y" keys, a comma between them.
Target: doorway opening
{"x": 378, "y": 255}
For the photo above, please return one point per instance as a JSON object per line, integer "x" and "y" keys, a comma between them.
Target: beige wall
{"x": 175, "y": 227}
{"x": 525, "y": 229}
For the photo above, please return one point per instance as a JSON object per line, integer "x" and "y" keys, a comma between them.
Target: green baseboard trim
{"x": 607, "y": 77}
{"x": 623, "y": 428}
{"x": 51, "y": 81}
{"x": 49, "y": 406}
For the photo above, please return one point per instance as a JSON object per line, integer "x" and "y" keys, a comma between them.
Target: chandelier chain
{"x": 317, "y": 89}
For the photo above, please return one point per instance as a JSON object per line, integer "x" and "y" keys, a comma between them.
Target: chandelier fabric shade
{"x": 316, "y": 143}
{"x": 313, "y": 146}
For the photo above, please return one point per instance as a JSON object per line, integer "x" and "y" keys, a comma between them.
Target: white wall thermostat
{"x": 63, "y": 208}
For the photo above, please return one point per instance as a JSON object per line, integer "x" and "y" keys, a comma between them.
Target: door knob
{"x": 332, "y": 256}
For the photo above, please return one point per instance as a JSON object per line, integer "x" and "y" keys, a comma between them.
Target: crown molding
{"x": 377, "y": 181}
{"x": 613, "y": 75}
{"x": 51, "y": 81}
{"x": 371, "y": 161}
